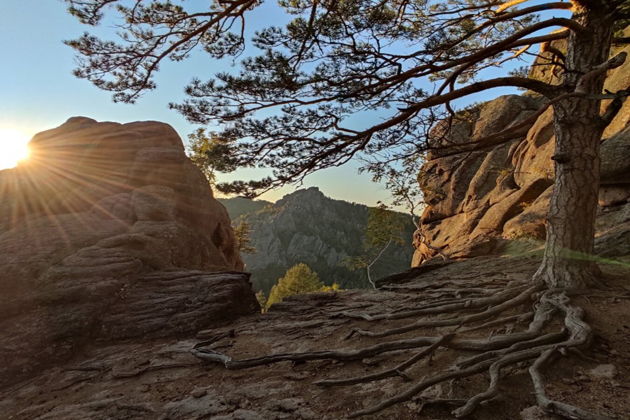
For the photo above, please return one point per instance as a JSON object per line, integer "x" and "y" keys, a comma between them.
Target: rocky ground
{"x": 162, "y": 379}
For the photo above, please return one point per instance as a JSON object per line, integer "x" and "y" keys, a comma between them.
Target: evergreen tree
{"x": 242, "y": 231}
{"x": 293, "y": 108}
{"x": 297, "y": 280}
{"x": 210, "y": 153}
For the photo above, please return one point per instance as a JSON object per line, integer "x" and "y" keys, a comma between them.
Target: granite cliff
{"x": 478, "y": 200}
{"x": 107, "y": 233}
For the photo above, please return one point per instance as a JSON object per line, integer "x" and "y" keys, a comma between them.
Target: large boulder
{"x": 110, "y": 232}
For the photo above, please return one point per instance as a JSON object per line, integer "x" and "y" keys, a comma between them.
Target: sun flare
{"x": 13, "y": 147}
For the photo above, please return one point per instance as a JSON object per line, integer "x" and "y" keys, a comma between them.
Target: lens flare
{"x": 13, "y": 147}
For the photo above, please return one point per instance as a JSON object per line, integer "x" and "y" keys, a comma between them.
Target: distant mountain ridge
{"x": 239, "y": 206}
{"x": 308, "y": 227}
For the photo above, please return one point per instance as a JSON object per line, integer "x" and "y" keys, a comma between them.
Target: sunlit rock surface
{"x": 476, "y": 200}
{"x": 110, "y": 232}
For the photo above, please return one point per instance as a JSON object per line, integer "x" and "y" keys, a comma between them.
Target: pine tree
{"x": 290, "y": 107}
{"x": 242, "y": 232}
{"x": 297, "y": 280}
{"x": 210, "y": 153}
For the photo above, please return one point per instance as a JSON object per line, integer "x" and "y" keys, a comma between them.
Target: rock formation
{"x": 308, "y": 227}
{"x": 109, "y": 232}
{"x": 476, "y": 199}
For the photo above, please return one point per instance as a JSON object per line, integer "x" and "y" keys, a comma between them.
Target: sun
{"x": 13, "y": 147}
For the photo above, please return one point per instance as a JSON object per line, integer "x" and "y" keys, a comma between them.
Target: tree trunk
{"x": 568, "y": 260}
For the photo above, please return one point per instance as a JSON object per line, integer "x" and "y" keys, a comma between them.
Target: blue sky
{"x": 38, "y": 90}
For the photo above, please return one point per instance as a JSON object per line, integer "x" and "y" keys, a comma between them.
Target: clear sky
{"x": 38, "y": 90}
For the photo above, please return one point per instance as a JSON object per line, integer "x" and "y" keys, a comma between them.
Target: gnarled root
{"x": 542, "y": 338}
{"x": 555, "y": 407}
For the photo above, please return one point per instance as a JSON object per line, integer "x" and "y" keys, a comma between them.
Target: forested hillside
{"x": 308, "y": 227}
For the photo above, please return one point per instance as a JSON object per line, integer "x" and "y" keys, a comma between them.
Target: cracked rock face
{"x": 110, "y": 232}
{"x": 476, "y": 200}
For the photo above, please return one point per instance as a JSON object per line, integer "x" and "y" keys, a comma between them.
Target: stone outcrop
{"x": 476, "y": 199}
{"x": 110, "y": 232}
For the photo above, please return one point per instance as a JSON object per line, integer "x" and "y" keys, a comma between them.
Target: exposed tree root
{"x": 518, "y": 318}
{"x": 395, "y": 371}
{"x": 545, "y": 335}
{"x": 441, "y": 286}
{"x": 555, "y": 407}
{"x": 495, "y": 342}
{"x": 502, "y": 302}
{"x": 465, "y": 304}
{"x": 543, "y": 339}
{"x": 150, "y": 368}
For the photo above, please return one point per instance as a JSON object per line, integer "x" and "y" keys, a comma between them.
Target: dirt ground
{"x": 162, "y": 379}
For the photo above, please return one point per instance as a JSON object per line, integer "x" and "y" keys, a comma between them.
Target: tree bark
{"x": 568, "y": 261}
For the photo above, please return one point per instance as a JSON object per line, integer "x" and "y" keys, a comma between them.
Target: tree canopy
{"x": 294, "y": 106}
{"x": 210, "y": 154}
